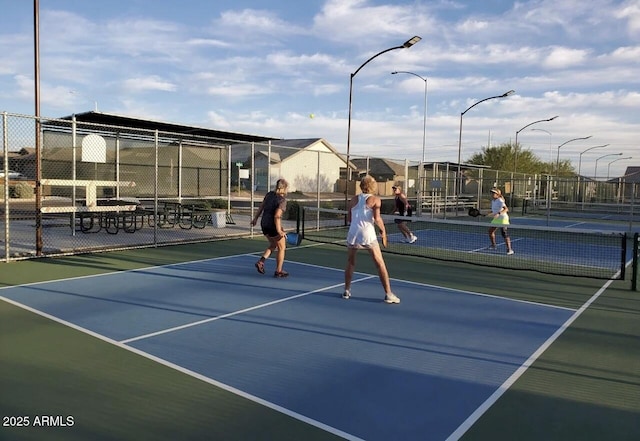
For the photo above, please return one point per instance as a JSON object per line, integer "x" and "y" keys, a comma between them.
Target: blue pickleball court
{"x": 358, "y": 368}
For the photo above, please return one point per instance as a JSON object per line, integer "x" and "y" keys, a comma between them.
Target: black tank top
{"x": 400, "y": 206}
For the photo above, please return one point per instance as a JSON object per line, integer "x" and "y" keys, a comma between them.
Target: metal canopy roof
{"x": 128, "y": 122}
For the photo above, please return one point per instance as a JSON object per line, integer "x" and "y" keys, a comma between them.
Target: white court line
{"x": 471, "y": 420}
{"x": 492, "y": 296}
{"x": 231, "y": 314}
{"x": 134, "y": 270}
{"x": 577, "y": 224}
{"x": 191, "y": 373}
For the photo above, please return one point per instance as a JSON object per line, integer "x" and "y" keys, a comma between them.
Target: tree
{"x": 507, "y": 156}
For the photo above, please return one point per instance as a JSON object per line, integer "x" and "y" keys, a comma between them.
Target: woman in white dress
{"x": 362, "y": 214}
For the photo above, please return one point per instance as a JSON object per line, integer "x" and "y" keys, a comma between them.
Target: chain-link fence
{"x": 94, "y": 187}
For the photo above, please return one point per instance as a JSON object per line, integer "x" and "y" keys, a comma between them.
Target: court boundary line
{"x": 446, "y": 288}
{"x": 493, "y": 296}
{"x": 505, "y": 386}
{"x": 145, "y": 268}
{"x": 127, "y": 270}
{"x": 189, "y": 372}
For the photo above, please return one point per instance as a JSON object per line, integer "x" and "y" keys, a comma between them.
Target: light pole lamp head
{"x": 506, "y": 94}
{"x": 411, "y": 41}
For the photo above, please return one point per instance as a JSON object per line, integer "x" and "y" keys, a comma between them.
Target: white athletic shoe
{"x": 510, "y": 252}
{"x": 391, "y": 298}
{"x": 413, "y": 239}
{"x": 346, "y": 294}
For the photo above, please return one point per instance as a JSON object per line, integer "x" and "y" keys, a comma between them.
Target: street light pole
{"x": 406, "y": 44}
{"x": 515, "y": 161}
{"x": 580, "y": 166}
{"x": 595, "y": 171}
{"x": 550, "y": 151}
{"x": 548, "y": 189}
{"x": 609, "y": 164}
{"x": 585, "y": 151}
{"x": 455, "y": 182}
{"x": 424, "y": 119}
{"x": 558, "y": 156}
{"x": 515, "y": 156}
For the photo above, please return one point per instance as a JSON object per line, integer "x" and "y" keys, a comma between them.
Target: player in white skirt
{"x": 362, "y": 214}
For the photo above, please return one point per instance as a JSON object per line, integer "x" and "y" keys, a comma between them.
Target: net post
{"x": 623, "y": 256}
{"x": 634, "y": 269}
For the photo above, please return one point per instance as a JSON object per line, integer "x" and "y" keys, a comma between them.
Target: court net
{"x": 567, "y": 252}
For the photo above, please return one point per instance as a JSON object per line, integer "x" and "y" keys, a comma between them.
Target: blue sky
{"x": 263, "y": 67}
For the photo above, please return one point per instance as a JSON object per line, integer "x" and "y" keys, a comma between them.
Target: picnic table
{"x": 95, "y": 214}
{"x": 186, "y": 214}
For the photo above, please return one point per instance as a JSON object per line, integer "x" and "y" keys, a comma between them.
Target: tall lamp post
{"x": 595, "y": 171}
{"x": 580, "y": 164}
{"x": 424, "y": 138}
{"x": 548, "y": 186}
{"x": 515, "y": 161}
{"x": 515, "y": 158}
{"x": 548, "y": 133}
{"x": 558, "y": 156}
{"x": 455, "y": 183}
{"x": 406, "y": 44}
{"x": 609, "y": 164}
{"x": 585, "y": 151}
{"x": 424, "y": 119}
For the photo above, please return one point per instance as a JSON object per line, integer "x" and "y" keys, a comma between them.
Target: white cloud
{"x": 149, "y": 83}
{"x": 218, "y": 120}
{"x": 207, "y": 42}
{"x": 563, "y": 57}
{"x": 341, "y": 20}
{"x": 631, "y": 12}
{"x": 237, "y": 90}
{"x": 254, "y": 28}
{"x": 472, "y": 26}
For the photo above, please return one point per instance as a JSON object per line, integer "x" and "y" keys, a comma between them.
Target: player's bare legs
{"x": 351, "y": 265}
{"x": 376, "y": 255}
{"x": 492, "y": 236}
{"x": 404, "y": 230}
{"x": 281, "y": 244}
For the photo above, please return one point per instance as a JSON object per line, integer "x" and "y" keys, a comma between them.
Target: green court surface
{"x": 584, "y": 386}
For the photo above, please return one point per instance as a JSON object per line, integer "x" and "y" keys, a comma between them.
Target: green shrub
{"x": 219, "y": 203}
{"x": 327, "y": 204}
{"x": 292, "y": 210}
{"x": 22, "y": 190}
